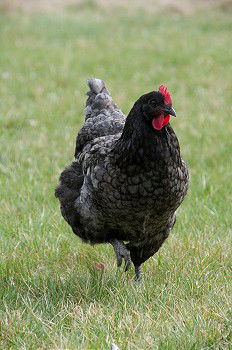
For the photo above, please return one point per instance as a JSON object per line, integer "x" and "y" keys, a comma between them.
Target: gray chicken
{"x": 128, "y": 177}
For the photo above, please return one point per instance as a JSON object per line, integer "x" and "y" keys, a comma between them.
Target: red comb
{"x": 164, "y": 91}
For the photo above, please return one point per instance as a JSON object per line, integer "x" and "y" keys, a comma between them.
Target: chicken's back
{"x": 103, "y": 124}
{"x": 102, "y": 116}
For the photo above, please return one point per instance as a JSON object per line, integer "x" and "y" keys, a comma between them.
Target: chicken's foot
{"x": 121, "y": 253}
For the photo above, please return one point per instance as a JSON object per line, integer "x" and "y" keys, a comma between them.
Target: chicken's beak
{"x": 168, "y": 110}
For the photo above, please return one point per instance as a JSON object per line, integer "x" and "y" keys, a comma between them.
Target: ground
{"x": 56, "y": 292}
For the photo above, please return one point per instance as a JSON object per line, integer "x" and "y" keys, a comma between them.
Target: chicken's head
{"x": 157, "y": 107}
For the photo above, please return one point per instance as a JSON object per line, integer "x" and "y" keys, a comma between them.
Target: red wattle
{"x": 160, "y": 121}
{"x": 157, "y": 123}
{"x": 166, "y": 119}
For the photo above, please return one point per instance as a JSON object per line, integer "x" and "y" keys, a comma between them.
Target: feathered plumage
{"x": 128, "y": 177}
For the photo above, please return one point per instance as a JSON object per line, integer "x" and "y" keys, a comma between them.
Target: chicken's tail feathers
{"x": 96, "y": 86}
{"x": 99, "y": 100}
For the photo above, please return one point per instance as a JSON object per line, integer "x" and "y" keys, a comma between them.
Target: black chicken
{"x": 128, "y": 178}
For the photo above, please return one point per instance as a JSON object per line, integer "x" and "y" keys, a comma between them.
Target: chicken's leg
{"x": 121, "y": 253}
{"x": 137, "y": 273}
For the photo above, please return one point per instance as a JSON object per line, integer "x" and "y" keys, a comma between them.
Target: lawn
{"x": 52, "y": 295}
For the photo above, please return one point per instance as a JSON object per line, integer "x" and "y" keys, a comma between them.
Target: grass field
{"x": 52, "y": 296}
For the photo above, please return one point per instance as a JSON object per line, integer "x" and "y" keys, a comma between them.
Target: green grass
{"x": 51, "y": 294}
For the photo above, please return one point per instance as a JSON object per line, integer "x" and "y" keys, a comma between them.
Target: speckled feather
{"x": 127, "y": 179}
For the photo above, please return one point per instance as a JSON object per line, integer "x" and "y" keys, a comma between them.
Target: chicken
{"x": 127, "y": 179}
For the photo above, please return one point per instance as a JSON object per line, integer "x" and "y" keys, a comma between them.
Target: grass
{"x": 52, "y": 296}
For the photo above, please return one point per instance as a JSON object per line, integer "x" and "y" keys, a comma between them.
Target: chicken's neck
{"x": 140, "y": 144}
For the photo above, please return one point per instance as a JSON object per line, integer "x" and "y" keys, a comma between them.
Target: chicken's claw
{"x": 121, "y": 253}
